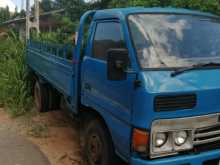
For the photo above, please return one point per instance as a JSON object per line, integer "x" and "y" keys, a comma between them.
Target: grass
{"x": 14, "y": 85}
{"x": 38, "y": 130}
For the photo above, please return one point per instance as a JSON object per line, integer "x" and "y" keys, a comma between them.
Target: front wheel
{"x": 98, "y": 147}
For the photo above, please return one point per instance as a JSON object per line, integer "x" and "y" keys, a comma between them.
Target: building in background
{"x": 48, "y": 22}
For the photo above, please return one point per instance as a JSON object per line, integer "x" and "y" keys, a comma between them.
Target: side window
{"x": 108, "y": 35}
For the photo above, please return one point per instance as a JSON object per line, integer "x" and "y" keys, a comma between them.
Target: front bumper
{"x": 194, "y": 159}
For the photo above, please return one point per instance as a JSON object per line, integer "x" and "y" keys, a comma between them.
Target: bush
{"x": 14, "y": 87}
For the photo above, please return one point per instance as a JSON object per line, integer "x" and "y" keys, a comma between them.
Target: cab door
{"x": 113, "y": 99}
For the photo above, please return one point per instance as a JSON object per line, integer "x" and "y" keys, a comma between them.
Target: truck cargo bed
{"x": 54, "y": 64}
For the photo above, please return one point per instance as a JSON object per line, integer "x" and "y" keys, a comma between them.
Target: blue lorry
{"x": 144, "y": 83}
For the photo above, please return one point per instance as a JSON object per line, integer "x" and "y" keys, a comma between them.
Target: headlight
{"x": 170, "y": 142}
{"x": 181, "y": 134}
{"x": 180, "y": 137}
{"x": 160, "y": 139}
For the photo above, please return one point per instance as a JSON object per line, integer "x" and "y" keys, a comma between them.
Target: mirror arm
{"x": 137, "y": 83}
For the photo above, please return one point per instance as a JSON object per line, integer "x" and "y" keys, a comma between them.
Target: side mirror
{"x": 117, "y": 63}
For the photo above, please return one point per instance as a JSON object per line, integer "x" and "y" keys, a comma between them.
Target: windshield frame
{"x": 162, "y": 13}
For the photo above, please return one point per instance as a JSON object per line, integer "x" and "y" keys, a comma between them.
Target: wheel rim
{"x": 37, "y": 97}
{"x": 95, "y": 150}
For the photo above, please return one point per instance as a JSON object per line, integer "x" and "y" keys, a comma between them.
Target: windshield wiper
{"x": 194, "y": 67}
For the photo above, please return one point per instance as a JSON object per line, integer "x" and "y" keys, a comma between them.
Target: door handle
{"x": 87, "y": 86}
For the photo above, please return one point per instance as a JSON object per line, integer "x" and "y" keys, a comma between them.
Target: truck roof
{"x": 116, "y": 13}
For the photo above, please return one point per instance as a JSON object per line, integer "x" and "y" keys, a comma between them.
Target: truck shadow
{"x": 76, "y": 128}
{"x": 122, "y": 163}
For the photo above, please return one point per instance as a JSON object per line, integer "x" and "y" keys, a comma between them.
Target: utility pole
{"x": 22, "y": 4}
{"x": 35, "y": 23}
{"x": 37, "y": 15}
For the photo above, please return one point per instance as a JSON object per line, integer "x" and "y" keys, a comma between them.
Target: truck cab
{"x": 150, "y": 78}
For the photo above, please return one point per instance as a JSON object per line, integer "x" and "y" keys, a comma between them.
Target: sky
{"x": 13, "y": 3}
{"x": 9, "y": 3}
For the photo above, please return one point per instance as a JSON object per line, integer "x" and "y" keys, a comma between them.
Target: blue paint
{"x": 196, "y": 159}
{"x": 122, "y": 106}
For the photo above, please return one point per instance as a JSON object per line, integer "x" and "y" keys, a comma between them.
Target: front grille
{"x": 172, "y": 103}
{"x": 205, "y": 132}
{"x": 207, "y": 138}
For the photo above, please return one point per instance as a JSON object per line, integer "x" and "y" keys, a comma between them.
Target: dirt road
{"x": 17, "y": 150}
{"x": 54, "y": 133}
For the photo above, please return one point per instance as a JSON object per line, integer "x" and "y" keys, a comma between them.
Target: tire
{"x": 63, "y": 105}
{"x": 98, "y": 148}
{"x": 54, "y": 99}
{"x": 41, "y": 97}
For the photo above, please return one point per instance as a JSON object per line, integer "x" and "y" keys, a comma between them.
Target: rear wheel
{"x": 98, "y": 147}
{"x": 54, "y": 99}
{"x": 41, "y": 97}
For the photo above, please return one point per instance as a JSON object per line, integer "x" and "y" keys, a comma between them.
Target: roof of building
{"x": 19, "y": 20}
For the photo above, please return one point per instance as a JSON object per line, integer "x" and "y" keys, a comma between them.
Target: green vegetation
{"x": 75, "y": 8}
{"x": 14, "y": 89}
{"x": 4, "y": 14}
{"x": 61, "y": 35}
{"x": 38, "y": 130}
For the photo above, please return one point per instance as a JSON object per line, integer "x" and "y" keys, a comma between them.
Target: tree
{"x": 22, "y": 13}
{"x": 16, "y": 14}
{"x": 101, "y": 4}
{"x": 74, "y": 8}
{"x": 47, "y": 5}
{"x": 4, "y": 14}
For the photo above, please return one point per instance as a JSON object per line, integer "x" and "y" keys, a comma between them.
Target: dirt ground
{"x": 54, "y": 133}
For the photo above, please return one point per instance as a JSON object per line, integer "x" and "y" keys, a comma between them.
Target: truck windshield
{"x": 172, "y": 41}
